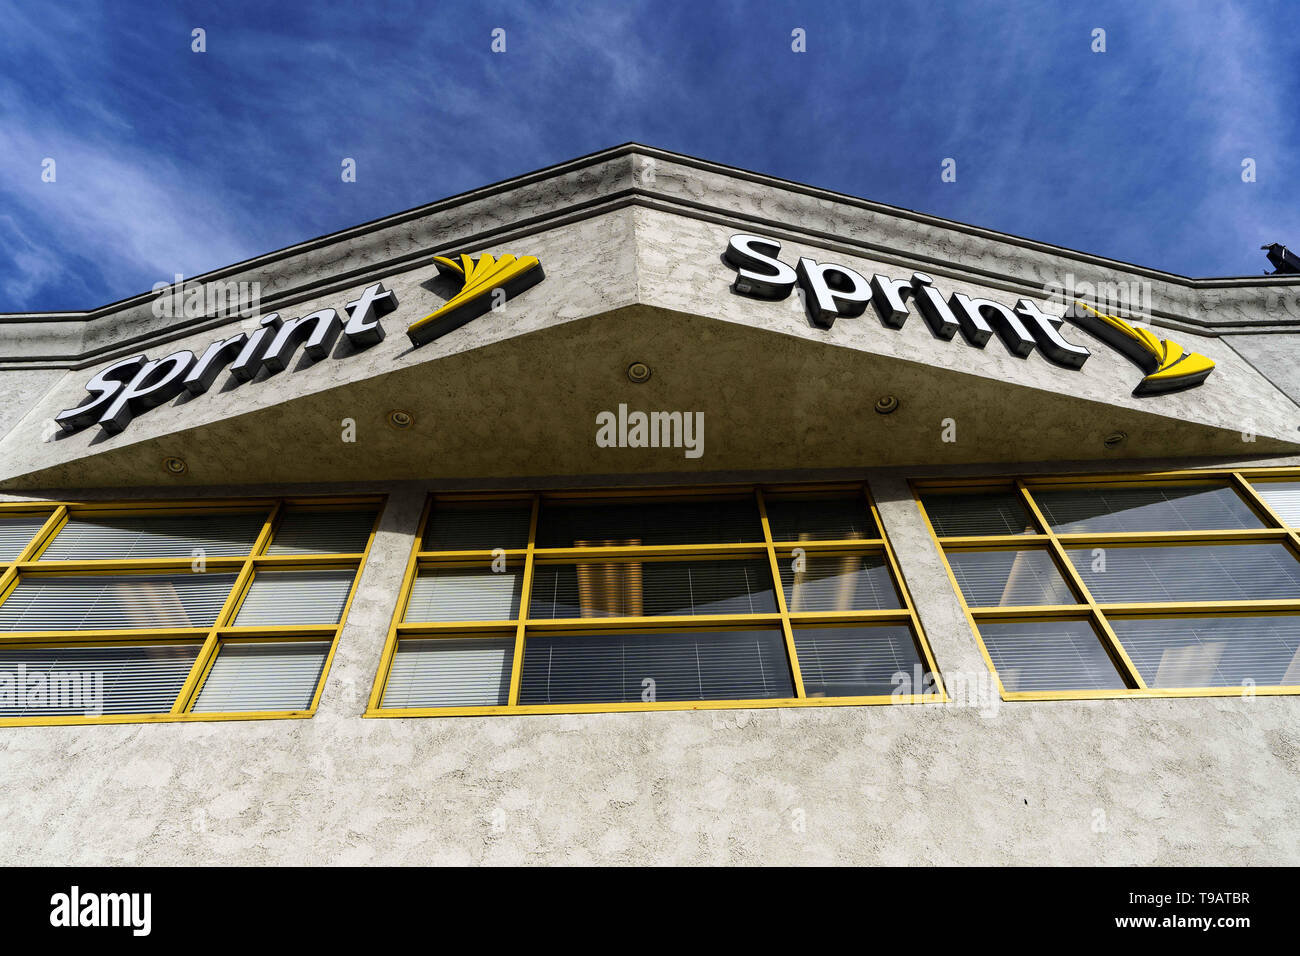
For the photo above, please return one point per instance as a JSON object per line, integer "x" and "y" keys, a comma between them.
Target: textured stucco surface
{"x": 21, "y": 390}
{"x": 1129, "y": 781}
{"x": 1273, "y": 354}
{"x": 1178, "y": 782}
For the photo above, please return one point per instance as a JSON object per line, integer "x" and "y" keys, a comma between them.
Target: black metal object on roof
{"x": 1285, "y": 262}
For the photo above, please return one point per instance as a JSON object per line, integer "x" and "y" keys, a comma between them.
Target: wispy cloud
{"x": 131, "y": 211}
{"x": 172, "y": 161}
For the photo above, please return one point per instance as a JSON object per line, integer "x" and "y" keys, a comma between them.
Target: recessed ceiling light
{"x": 887, "y": 404}
{"x": 638, "y": 372}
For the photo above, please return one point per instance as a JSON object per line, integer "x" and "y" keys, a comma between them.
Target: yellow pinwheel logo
{"x": 487, "y": 283}
{"x": 1168, "y": 366}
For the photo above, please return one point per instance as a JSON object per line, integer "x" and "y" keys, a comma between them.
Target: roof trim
{"x": 630, "y": 148}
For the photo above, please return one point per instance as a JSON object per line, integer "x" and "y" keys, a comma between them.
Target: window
{"x": 173, "y": 611}
{"x": 563, "y": 602}
{"x": 1128, "y": 585}
{"x": 614, "y": 668}
{"x": 653, "y": 588}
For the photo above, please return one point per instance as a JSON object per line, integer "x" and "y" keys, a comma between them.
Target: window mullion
{"x": 208, "y": 653}
{"x": 525, "y": 597}
{"x": 1256, "y": 500}
{"x": 8, "y": 581}
{"x": 9, "y": 574}
{"x": 1113, "y": 645}
{"x": 43, "y": 537}
{"x": 786, "y": 630}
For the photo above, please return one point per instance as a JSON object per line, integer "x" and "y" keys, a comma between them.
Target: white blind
{"x": 681, "y": 521}
{"x": 652, "y": 588}
{"x": 857, "y": 661}
{"x": 463, "y": 594}
{"x": 276, "y": 675}
{"x": 623, "y": 668}
{"x": 1213, "y": 651}
{"x": 1049, "y": 655}
{"x": 16, "y": 533}
{"x": 322, "y": 532}
{"x": 838, "y": 583}
{"x": 477, "y": 528}
{"x": 1004, "y": 578}
{"x": 450, "y": 673}
{"x": 961, "y": 515}
{"x": 122, "y": 679}
{"x": 154, "y": 536}
{"x": 820, "y": 519}
{"x": 1240, "y": 572}
{"x": 295, "y": 597}
{"x": 106, "y": 602}
{"x": 1103, "y": 510}
{"x": 1283, "y": 497}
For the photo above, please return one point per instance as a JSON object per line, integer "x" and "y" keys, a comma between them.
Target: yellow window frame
{"x": 1096, "y": 613}
{"x": 533, "y": 556}
{"x": 28, "y": 564}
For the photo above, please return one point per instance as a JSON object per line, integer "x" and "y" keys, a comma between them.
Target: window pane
{"x": 109, "y": 602}
{"x": 122, "y": 679}
{"x": 652, "y": 588}
{"x": 295, "y": 597}
{"x": 1005, "y": 578}
{"x": 1049, "y": 655}
{"x": 957, "y": 515}
{"x": 1213, "y": 651}
{"x": 16, "y": 533}
{"x": 1104, "y": 510}
{"x": 619, "y": 523}
{"x": 1283, "y": 497}
{"x": 820, "y": 519}
{"x": 632, "y": 668}
{"x": 275, "y": 675}
{"x": 838, "y": 582}
{"x": 1231, "y": 572}
{"x": 858, "y": 661}
{"x": 465, "y": 594}
{"x": 467, "y": 527}
{"x": 322, "y": 532}
{"x": 450, "y": 673}
{"x": 154, "y": 536}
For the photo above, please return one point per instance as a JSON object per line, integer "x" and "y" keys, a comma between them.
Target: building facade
{"x": 646, "y": 510}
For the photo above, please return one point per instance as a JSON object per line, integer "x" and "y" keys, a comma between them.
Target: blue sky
{"x": 171, "y": 161}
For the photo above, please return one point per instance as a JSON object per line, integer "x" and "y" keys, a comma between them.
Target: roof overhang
{"x": 634, "y": 272}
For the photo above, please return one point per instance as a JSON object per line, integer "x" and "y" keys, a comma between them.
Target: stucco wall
{"x": 1128, "y": 781}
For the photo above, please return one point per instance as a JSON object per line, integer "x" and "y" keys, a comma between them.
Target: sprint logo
{"x": 1169, "y": 368}
{"x": 126, "y": 389}
{"x": 832, "y": 291}
{"x": 487, "y": 283}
